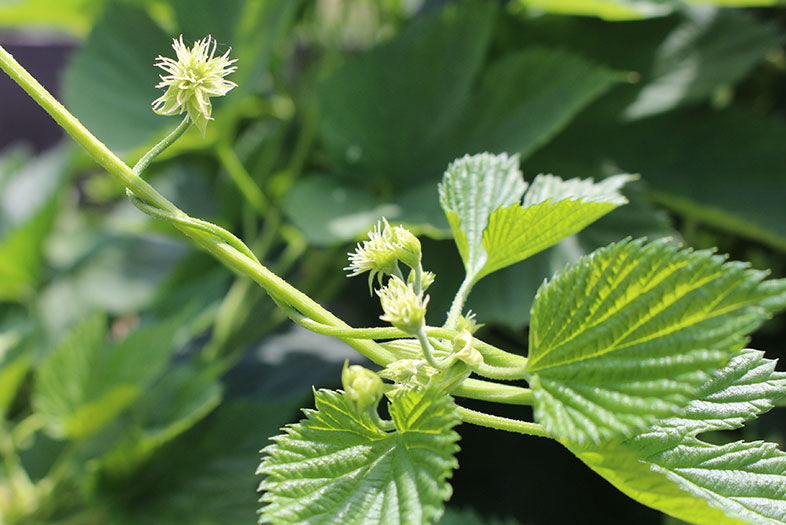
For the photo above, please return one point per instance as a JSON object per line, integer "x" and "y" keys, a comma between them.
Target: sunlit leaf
{"x": 337, "y": 466}
{"x": 669, "y": 469}
{"x": 630, "y": 333}
{"x": 471, "y": 189}
{"x": 83, "y": 384}
{"x": 552, "y": 210}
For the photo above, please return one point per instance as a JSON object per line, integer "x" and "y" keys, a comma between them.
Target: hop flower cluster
{"x": 403, "y": 308}
{"x": 192, "y": 79}
{"x": 385, "y": 247}
{"x": 362, "y": 387}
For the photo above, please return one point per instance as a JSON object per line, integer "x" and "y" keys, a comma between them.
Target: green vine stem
{"x": 458, "y": 302}
{"x": 494, "y": 392}
{"x": 501, "y": 423}
{"x": 233, "y": 253}
{"x": 210, "y": 238}
{"x": 156, "y": 150}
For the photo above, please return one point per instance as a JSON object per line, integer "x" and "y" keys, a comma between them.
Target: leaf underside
{"x": 670, "y": 469}
{"x": 472, "y": 188}
{"x": 629, "y": 333}
{"x": 481, "y": 196}
{"x": 336, "y": 466}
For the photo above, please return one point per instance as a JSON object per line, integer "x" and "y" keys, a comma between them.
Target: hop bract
{"x": 403, "y": 308}
{"x": 192, "y": 79}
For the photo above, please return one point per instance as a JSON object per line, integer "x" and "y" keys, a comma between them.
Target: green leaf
{"x": 110, "y": 82}
{"x": 21, "y": 256}
{"x": 627, "y": 9}
{"x": 629, "y": 334}
{"x": 506, "y": 296}
{"x": 552, "y": 210}
{"x": 337, "y": 466}
{"x": 702, "y": 54}
{"x": 81, "y": 386}
{"x": 329, "y": 211}
{"x": 746, "y": 387}
{"x": 703, "y": 181}
{"x": 388, "y": 114}
{"x": 28, "y": 206}
{"x": 526, "y": 97}
{"x": 174, "y": 404}
{"x": 471, "y": 189}
{"x": 71, "y": 15}
{"x": 15, "y": 361}
{"x": 206, "y": 476}
{"x": 669, "y": 469}
{"x": 607, "y": 9}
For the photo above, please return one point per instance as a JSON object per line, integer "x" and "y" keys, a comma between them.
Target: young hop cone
{"x": 192, "y": 79}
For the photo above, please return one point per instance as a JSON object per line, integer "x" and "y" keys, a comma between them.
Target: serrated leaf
{"x": 82, "y": 385}
{"x": 471, "y": 189}
{"x": 629, "y": 334}
{"x": 552, "y": 210}
{"x": 506, "y": 296}
{"x": 336, "y": 466}
{"x": 671, "y": 470}
{"x": 743, "y": 389}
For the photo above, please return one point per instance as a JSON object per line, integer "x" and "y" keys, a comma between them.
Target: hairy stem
{"x": 167, "y": 141}
{"x": 211, "y": 238}
{"x": 501, "y": 423}
{"x": 494, "y": 392}
{"x": 457, "y": 305}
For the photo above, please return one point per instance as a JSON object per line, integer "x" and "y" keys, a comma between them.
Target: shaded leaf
{"x": 219, "y": 487}
{"x": 174, "y": 404}
{"x": 82, "y": 385}
{"x": 374, "y": 106}
{"x": 526, "y": 97}
{"x": 15, "y": 362}
{"x": 630, "y": 333}
{"x": 627, "y": 9}
{"x": 110, "y": 82}
{"x": 707, "y": 51}
{"x": 337, "y": 466}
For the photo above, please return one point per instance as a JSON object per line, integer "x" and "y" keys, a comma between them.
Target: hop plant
{"x": 192, "y": 79}
{"x": 404, "y": 309}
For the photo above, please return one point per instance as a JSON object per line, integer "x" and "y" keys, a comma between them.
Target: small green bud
{"x": 468, "y": 323}
{"x": 463, "y": 350}
{"x": 192, "y": 79}
{"x": 405, "y": 244}
{"x": 426, "y": 279}
{"x": 403, "y": 308}
{"x": 363, "y": 387}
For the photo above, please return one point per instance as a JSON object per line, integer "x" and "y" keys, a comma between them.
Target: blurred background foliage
{"x": 139, "y": 378}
